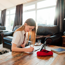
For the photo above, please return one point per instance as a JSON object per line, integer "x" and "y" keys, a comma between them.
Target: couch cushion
{"x": 46, "y": 30}
{"x": 2, "y": 28}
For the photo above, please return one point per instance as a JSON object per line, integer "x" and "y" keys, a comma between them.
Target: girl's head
{"x": 30, "y": 25}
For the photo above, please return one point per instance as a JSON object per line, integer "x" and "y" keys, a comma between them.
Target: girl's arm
{"x": 14, "y": 48}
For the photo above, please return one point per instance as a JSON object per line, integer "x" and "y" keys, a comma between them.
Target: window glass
{"x": 46, "y": 16}
{"x": 46, "y": 3}
{"x": 29, "y": 7}
{"x": 10, "y": 16}
{"x": 30, "y": 14}
{"x": 43, "y": 12}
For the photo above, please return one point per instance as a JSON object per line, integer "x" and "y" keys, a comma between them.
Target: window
{"x": 45, "y": 16}
{"x": 10, "y": 15}
{"x": 42, "y": 11}
{"x": 46, "y": 3}
{"x": 29, "y": 7}
{"x": 28, "y": 12}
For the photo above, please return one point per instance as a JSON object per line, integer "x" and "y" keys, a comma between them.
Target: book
{"x": 58, "y": 50}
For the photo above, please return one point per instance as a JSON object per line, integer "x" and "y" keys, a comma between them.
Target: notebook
{"x": 36, "y": 48}
{"x": 58, "y": 50}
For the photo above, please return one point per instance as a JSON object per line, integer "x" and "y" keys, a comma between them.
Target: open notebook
{"x": 36, "y": 48}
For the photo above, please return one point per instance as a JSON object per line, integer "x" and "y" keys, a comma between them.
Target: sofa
{"x": 2, "y": 29}
{"x": 0, "y": 24}
{"x": 44, "y": 32}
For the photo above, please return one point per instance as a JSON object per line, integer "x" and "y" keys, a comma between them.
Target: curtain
{"x": 64, "y": 16}
{"x": 18, "y": 15}
{"x": 3, "y": 17}
{"x": 0, "y": 17}
{"x": 59, "y": 14}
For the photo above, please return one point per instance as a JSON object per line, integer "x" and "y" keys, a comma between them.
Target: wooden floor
{"x": 15, "y": 58}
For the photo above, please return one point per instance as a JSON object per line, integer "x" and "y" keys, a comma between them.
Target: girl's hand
{"x": 23, "y": 45}
{"x": 29, "y": 49}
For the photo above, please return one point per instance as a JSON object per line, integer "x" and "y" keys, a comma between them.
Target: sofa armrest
{"x": 54, "y": 40}
{"x": 7, "y": 33}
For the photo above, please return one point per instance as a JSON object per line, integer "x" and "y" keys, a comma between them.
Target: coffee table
{"x": 18, "y": 58}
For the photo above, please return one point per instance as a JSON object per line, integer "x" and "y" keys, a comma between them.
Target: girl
{"x": 21, "y": 35}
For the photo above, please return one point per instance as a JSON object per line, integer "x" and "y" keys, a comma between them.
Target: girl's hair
{"x": 31, "y": 22}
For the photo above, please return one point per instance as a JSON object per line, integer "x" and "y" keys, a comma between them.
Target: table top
{"x": 18, "y": 58}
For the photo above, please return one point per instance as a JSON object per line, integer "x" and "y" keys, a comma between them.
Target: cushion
{"x": 47, "y": 30}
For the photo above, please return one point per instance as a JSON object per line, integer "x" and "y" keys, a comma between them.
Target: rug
{"x": 3, "y": 50}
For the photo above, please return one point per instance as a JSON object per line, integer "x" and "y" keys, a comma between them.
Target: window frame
{"x": 36, "y": 9}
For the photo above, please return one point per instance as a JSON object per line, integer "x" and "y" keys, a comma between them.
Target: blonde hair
{"x": 29, "y": 22}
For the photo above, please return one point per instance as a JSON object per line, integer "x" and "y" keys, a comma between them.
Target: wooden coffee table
{"x": 15, "y": 58}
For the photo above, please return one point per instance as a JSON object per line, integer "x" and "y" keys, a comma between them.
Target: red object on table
{"x": 44, "y": 53}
